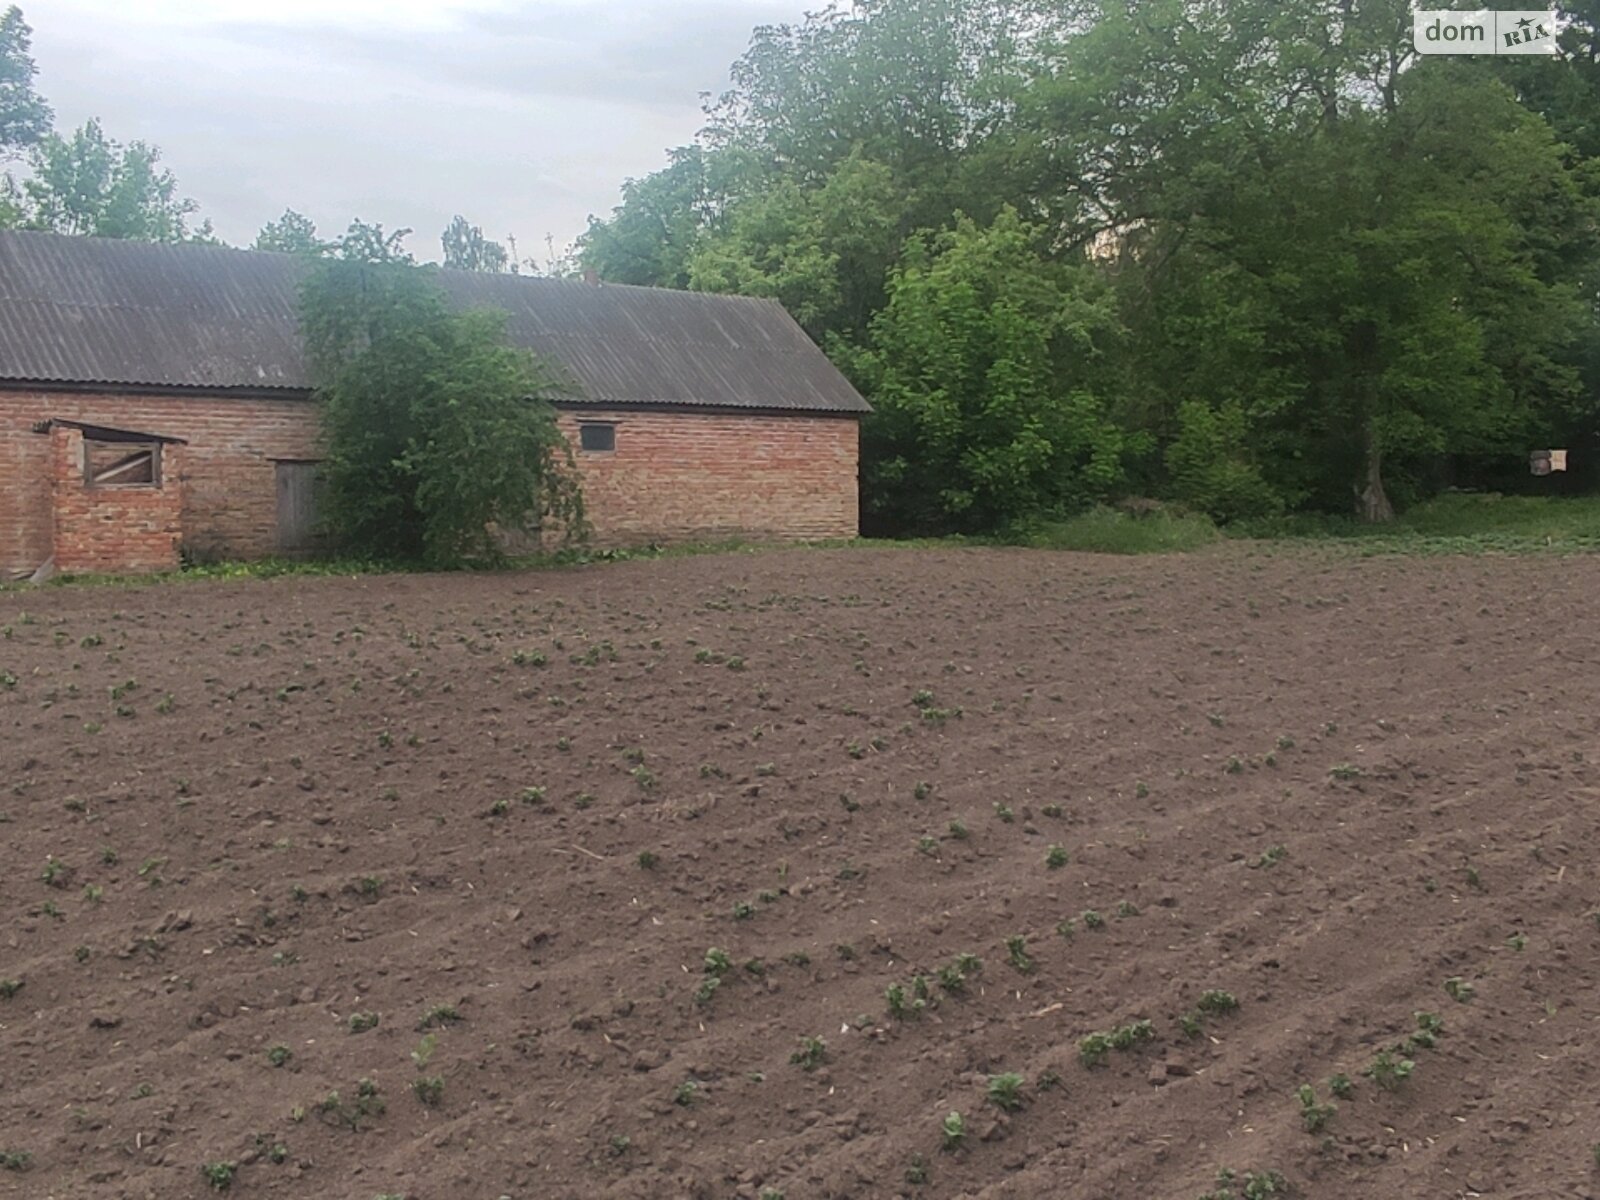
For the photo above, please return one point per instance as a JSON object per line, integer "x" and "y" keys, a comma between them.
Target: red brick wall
{"x": 673, "y": 476}
{"x": 114, "y": 528}
{"x": 230, "y": 491}
{"x": 676, "y": 476}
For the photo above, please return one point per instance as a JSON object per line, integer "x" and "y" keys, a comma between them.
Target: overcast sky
{"x": 524, "y": 115}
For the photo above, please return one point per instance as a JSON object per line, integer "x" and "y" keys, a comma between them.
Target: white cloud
{"x": 525, "y": 115}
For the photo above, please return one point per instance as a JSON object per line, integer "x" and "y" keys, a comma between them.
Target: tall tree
{"x": 367, "y": 243}
{"x": 24, "y": 116}
{"x": 89, "y": 184}
{"x": 825, "y": 252}
{"x": 653, "y": 234}
{"x": 914, "y": 86}
{"x": 1333, "y": 266}
{"x": 292, "y": 233}
{"x": 466, "y": 249}
{"x": 1324, "y": 237}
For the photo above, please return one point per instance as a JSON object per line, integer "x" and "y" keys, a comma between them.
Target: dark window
{"x": 121, "y": 464}
{"x": 597, "y": 437}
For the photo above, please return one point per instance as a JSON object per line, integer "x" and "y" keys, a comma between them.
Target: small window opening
{"x": 121, "y": 464}
{"x": 597, "y": 437}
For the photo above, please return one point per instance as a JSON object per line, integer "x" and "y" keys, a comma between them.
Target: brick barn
{"x": 154, "y": 400}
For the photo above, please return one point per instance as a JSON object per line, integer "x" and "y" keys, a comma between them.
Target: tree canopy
{"x": 1252, "y": 256}
{"x": 89, "y": 184}
{"x": 466, "y": 248}
{"x": 292, "y": 233}
{"x": 25, "y": 118}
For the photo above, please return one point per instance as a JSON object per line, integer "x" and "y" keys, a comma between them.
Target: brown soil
{"x": 311, "y": 832}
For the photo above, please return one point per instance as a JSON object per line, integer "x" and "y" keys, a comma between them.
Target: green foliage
{"x": 15, "y": 1160}
{"x": 219, "y": 1175}
{"x": 1314, "y": 1116}
{"x": 1252, "y": 1185}
{"x": 1455, "y": 523}
{"x": 1005, "y": 1091}
{"x": 1270, "y": 857}
{"x": 369, "y": 243}
{"x": 653, "y": 234}
{"x": 1093, "y": 1048}
{"x": 90, "y": 185}
{"x": 292, "y": 233}
{"x": 981, "y": 374}
{"x": 466, "y": 249}
{"x": 438, "y": 432}
{"x": 438, "y": 1017}
{"x": 954, "y": 1131}
{"x": 333, "y": 1109}
{"x": 1105, "y": 530}
{"x": 824, "y": 251}
{"x": 813, "y": 1052}
{"x": 1244, "y": 257}
{"x": 24, "y": 115}
{"x": 1017, "y": 954}
{"x": 1389, "y": 1070}
{"x": 1212, "y": 464}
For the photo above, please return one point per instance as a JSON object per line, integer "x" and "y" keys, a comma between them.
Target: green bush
{"x": 989, "y": 397}
{"x": 1212, "y": 468}
{"x": 438, "y": 431}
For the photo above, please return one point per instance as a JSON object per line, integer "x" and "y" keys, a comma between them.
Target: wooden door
{"x": 297, "y": 507}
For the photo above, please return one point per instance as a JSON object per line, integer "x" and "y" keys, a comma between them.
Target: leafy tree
{"x": 292, "y": 233}
{"x": 439, "y": 433}
{"x": 654, "y": 233}
{"x": 825, "y": 252}
{"x": 1353, "y": 249}
{"x": 466, "y": 249}
{"x": 364, "y": 243}
{"x": 89, "y": 184}
{"x": 913, "y": 84}
{"x": 24, "y": 116}
{"x": 984, "y": 368}
{"x": 910, "y": 88}
{"x": 1320, "y": 267}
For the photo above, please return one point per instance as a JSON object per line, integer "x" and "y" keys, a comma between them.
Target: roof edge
{"x": 188, "y": 391}
{"x": 720, "y": 410}
{"x": 308, "y": 396}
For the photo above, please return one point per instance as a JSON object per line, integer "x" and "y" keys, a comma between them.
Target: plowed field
{"x": 607, "y": 882}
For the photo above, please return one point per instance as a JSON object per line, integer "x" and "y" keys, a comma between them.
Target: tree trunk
{"x": 1372, "y": 500}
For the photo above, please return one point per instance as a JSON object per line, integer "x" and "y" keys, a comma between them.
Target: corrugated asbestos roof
{"x": 91, "y": 311}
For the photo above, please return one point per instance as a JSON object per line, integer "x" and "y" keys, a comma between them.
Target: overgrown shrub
{"x": 439, "y": 433}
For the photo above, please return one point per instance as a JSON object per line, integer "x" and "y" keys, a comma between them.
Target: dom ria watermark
{"x": 1485, "y": 31}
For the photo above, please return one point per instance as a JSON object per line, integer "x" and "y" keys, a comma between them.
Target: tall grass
{"x": 1110, "y": 531}
{"x": 1454, "y": 523}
